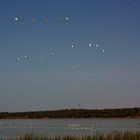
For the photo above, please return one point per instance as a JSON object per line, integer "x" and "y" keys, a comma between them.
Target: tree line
{"x": 75, "y": 113}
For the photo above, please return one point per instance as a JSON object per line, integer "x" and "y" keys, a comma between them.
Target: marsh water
{"x": 60, "y": 127}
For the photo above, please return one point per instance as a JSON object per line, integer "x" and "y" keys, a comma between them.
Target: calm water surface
{"x": 61, "y": 127}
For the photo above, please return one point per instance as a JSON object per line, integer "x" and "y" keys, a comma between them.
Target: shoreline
{"x": 22, "y": 118}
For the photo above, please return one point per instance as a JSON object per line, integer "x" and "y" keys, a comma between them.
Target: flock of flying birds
{"x": 33, "y": 19}
{"x": 62, "y": 19}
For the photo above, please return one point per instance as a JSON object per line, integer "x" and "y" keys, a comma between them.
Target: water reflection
{"x": 61, "y": 127}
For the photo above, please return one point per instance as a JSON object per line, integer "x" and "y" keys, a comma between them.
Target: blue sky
{"x": 80, "y": 75}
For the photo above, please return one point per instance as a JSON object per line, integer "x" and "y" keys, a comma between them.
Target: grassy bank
{"x": 111, "y": 136}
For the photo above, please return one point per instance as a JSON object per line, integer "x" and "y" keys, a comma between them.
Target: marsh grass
{"x": 111, "y": 136}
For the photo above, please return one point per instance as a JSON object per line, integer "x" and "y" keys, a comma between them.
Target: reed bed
{"x": 111, "y": 136}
